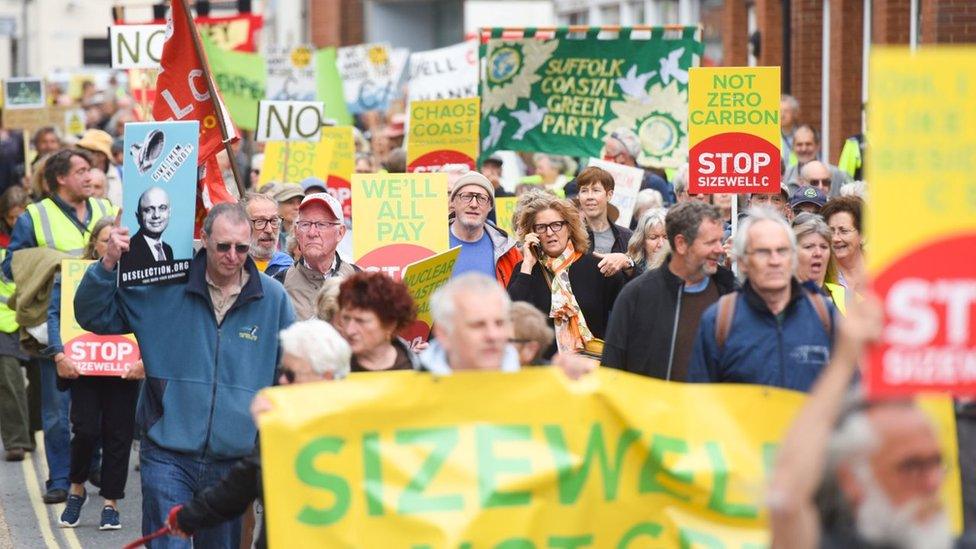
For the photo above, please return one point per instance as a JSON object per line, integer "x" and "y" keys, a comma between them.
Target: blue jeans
{"x": 169, "y": 479}
{"x": 57, "y": 428}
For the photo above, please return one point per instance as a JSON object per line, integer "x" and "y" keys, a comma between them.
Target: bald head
{"x": 816, "y": 174}
{"x": 153, "y": 214}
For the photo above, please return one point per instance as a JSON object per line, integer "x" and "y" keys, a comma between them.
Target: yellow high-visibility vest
{"x": 53, "y": 229}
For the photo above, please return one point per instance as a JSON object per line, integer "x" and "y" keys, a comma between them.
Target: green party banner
{"x": 563, "y": 92}
{"x": 240, "y": 77}
{"x": 330, "y": 87}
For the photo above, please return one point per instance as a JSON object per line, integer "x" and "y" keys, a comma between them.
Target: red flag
{"x": 211, "y": 190}
{"x": 182, "y": 91}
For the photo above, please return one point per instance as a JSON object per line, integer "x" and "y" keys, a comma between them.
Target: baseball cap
{"x": 807, "y": 194}
{"x": 287, "y": 192}
{"x": 473, "y": 178}
{"x": 324, "y": 199}
{"x": 313, "y": 182}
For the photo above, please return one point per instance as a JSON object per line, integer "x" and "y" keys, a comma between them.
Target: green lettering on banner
{"x": 570, "y": 542}
{"x": 307, "y": 473}
{"x": 373, "y": 474}
{"x": 648, "y": 529}
{"x": 490, "y": 465}
{"x": 374, "y": 188}
{"x": 412, "y": 500}
{"x": 571, "y": 481}
{"x": 516, "y": 543}
{"x": 654, "y": 466}
{"x": 691, "y": 538}
{"x": 717, "y": 501}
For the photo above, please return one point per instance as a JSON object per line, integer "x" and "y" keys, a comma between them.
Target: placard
{"x": 627, "y": 182}
{"x": 733, "y": 130}
{"x": 24, "y": 93}
{"x": 289, "y": 121}
{"x": 367, "y": 75}
{"x": 444, "y": 73}
{"x": 93, "y": 355}
{"x": 399, "y": 219}
{"x": 136, "y": 46}
{"x": 158, "y": 201}
{"x": 923, "y": 148}
{"x": 291, "y": 74}
{"x": 423, "y": 278}
{"x": 443, "y": 135}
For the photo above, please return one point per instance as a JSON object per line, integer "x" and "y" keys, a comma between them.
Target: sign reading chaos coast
{"x": 159, "y": 201}
{"x": 94, "y": 355}
{"x": 530, "y": 460}
{"x": 563, "y": 92}
{"x": 734, "y": 130}
{"x": 401, "y": 218}
{"x": 923, "y": 147}
{"x": 443, "y": 135}
{"x": 423, "y": 278}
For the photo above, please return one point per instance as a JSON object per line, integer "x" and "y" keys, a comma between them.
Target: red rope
{"x": 146, "y": 539}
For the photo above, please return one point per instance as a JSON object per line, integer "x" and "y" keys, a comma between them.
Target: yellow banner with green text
{"x": 528, "y": 460}
{"x": 422, "y": 279}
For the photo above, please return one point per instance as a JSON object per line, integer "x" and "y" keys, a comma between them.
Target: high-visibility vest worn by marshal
{"x": 54, "y": 229}
{"x": 8, "y": 322}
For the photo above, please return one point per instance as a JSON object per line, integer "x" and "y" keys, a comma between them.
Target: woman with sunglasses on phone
{"x": 559, "y": 276}
{"x": 312, "y": 351}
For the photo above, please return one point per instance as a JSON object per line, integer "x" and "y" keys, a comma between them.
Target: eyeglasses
{"x": 819, "y": 182}
{"x": 319, "y": 225}
{"x": 224, "y": 247}
{"x": 843, "y": 231}
{"x": 917, "y": 467}
{"x": 765, "y": 254}
{"x": 466, "y": 198}
{"x": 555, "y": 227}
{"x": 262, "y": 223}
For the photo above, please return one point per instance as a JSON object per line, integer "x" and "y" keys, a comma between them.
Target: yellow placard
{"x": 443, "y": 134}
{"x": 398, "y": 219}
{"x": 342, "y": 152}
{"x": 409, "y": 460}
{"x": 293, "y": 161}
{"x": 922, "y": 134}
{"x": 504, "y": 210}
{"x": 92, "y": 354}
{"x": 424, "y": 277}
{"x": 733, "y": 129}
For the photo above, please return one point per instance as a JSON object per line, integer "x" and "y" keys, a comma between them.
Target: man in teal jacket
{"x": 208, "y": 346}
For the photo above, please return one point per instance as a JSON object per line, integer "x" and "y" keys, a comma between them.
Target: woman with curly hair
{"x": 559, "y": 276}
{"x": 372, "y": 309}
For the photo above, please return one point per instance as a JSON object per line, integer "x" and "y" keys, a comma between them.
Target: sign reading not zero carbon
{"x": 733, "y": 130}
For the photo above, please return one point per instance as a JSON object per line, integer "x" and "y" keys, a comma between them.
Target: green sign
{"x": 240, "y": 77}
{"x": 330, "y": 87}
{"x": 563, "y": 92}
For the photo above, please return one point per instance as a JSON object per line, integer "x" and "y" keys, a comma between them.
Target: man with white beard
{"x": 858, "y": 474}
{"x": 262, "y": 211}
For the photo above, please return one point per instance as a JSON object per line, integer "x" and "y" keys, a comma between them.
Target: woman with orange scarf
{"x": 559, "y": 277}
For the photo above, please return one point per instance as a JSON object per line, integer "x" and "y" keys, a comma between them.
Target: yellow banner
{"x": 423, "y": 278}
{"x": 443, "y": 134}
{"x": 504, "y": 210}
{"x": 293, "y": 161}
{"x": 398, "y": 219}
{"x": 408, "y": 460}
{"x": 733, "y": 129}
{"x": 922, "y": 131}
{"x": 96, "y": 355}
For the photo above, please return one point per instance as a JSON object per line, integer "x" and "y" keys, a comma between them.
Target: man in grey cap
{"x": 484, "y": 247}
{"x": 311, "y": 185}
{"x": 289, "y": 197}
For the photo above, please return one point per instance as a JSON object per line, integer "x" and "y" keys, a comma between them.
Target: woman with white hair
{"x": 312, "y": 350}
{"x": 647, "y": 199}
{"x": 648, "y": 245}
{"x": 813, "y": 256}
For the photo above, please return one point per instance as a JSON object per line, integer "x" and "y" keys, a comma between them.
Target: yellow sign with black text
{"x": 485, "y": 460}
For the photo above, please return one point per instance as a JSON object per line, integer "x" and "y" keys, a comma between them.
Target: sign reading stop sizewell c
{"x": 733, "y": 130}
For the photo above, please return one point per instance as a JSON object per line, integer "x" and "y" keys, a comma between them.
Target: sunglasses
{"x": 224, "y": 247}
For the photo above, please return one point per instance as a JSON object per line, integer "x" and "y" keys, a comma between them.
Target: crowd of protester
{"x": 675, "y": 295}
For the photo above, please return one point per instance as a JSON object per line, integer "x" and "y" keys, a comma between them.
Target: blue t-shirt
{"x": 475, "y": 256}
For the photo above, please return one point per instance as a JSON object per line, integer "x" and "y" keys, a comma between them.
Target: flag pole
{"x": 213, "y": 96}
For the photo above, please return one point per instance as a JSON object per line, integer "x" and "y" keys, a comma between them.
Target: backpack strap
{"x": 820, "y": 305}
{"x": 723, "y": 322}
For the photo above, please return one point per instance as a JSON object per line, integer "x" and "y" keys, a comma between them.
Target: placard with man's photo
{"x": 158, "y": 201}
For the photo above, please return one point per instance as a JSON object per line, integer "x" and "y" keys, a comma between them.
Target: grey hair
{"x": 233, "y": 210}
{"x": 806, "y": 223}
{"x": 320, "y": 344}
{"x": 753, "y": 216}
{"x": 443, "y": 303}
{"x": 791, "y": 102}
{"x": 253, "y": 197}
{"x": 649, "y": 219}
{"x": 648, "y": 198}
{"x": 852, "y": 440}
{"x": 680, "y": 180}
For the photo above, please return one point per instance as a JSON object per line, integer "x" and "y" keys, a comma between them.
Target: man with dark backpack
{"x": 772, "y": 331}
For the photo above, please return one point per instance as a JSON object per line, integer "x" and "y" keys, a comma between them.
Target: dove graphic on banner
{"x": 528, "y": 119}
{"x": 635, "y": 85}
{"x": 494, "y": 133}
{"x": 670, "y": 68}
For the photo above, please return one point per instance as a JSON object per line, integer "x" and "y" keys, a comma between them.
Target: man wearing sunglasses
{"x": 207, "y": 346}
{"x": 319, "y": 230}
{"x": 806, "y": 150}
{"x": 485, "y": 248}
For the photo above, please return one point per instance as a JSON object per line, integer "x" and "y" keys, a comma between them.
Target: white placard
{"x": 627, "y": 182}
{"x": 136, "y": 46}
{"x": 444, "y": 73}
{"x": 289, "y": 121}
